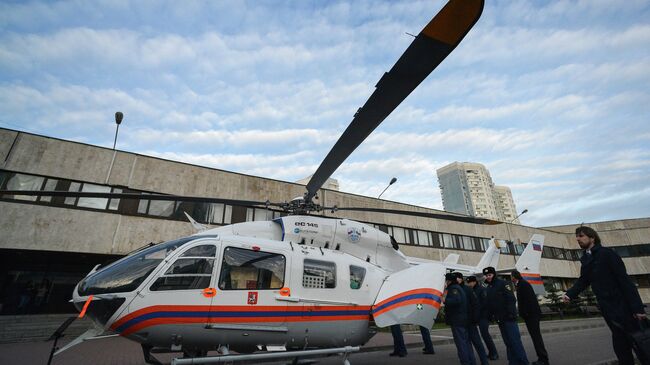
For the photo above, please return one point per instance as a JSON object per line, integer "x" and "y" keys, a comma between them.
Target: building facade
{"x": 505, "y": 204}
{"x": 48, "y": 244}
{"x": 467, "y": 188}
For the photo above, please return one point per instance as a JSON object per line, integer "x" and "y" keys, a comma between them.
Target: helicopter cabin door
{"x": 177, "y": 295}
{"x": 250, "y": 279}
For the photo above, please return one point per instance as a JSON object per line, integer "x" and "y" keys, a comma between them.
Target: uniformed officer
{"x": 530, "y": 312}
{"x": 618, "y": 298}
{"x": 484, "y": 320}
{"x": 456, "y": 316}
{"x": 502, "y": 308}
{"x": 473, "y": 313}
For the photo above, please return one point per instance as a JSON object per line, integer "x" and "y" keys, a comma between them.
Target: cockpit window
{"x": 128, "y": 273}
{"x": 192, "y": 270}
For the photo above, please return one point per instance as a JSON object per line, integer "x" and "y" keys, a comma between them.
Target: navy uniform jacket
{"x": 456, "y": 306}
{"x": 501, "y": 302}
{"x": 527, "y": 299}
{"x": 473, "y": 307}
{"x": 605, "y": 272}
{"x": 481, "y": 294}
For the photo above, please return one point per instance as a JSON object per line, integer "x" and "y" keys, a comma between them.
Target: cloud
{"x": 551, "y": 97}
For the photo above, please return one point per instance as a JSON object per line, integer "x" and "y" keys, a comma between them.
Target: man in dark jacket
{"x": 484, "y": 320}
{"x": 473, "y": 314}
{"x": 530, "y": 312}
{"x": 502, "y": 309}
{"x": 618, "y": 298}
{"x": 456, "y": 317}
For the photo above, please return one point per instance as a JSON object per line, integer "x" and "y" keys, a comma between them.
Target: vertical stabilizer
{"x": 528, "y": 263}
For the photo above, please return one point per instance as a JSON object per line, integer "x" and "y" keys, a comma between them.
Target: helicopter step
{"x": 344, "y": 351}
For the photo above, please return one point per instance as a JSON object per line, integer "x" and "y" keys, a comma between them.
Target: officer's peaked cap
{"x": 450, "y": 276}
{"x": 489, "y": 270}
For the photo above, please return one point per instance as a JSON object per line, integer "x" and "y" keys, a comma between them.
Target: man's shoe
{"x": 540, "y": 362}
{"x": 400, "y": 354}
{"x": 493, "y": 357}
{"x": 428, "y": 352}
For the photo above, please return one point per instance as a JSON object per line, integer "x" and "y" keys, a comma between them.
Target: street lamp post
{"x": 392, "y": 181}
{"x": 510, "y": 222}
{"x": 118, "y": 120}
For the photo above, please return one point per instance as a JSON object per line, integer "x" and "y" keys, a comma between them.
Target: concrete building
{"x": 330, "y": 184}
{"x": 467, "y": 188}
{"x": 48, "y": 244}
{"x": 505, "y": 204}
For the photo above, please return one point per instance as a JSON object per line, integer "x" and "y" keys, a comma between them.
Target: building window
{"x": 50, "y": 185}
{"x": 23, "y": 182}
{"x": 447, "y": 240}
{"x": 95, "y": 203}
{"x": 424, "y": 238}
{"x": 467, "y": 243}
{"x": 250, "y": 269}
{"x": 399, "y": 234}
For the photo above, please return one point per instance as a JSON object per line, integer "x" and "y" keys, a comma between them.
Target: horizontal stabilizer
{"x": 452, "y": 258}
{"x": 411, "y": 296}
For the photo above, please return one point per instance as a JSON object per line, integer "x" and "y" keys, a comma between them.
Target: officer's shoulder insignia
{"x": 509, "y": 287}
{"x": 454, "y": 291}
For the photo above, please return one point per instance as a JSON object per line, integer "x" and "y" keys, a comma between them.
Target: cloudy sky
{"x": 553, "y": 97}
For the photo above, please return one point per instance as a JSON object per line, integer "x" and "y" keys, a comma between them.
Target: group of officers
{"x": 470, "y": 307}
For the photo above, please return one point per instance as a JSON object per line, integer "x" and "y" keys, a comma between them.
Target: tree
{"x": 555, "y": 299}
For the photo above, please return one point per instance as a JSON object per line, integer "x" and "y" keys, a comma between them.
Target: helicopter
{"x": 302, "y": 283}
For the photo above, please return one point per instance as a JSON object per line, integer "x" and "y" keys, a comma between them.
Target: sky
{"x": 553, "y": 97}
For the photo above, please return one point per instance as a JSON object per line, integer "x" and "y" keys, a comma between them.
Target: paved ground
{"x": 573, "y": 342}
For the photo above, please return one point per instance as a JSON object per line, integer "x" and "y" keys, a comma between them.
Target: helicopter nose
{"x": 99, "y": 308}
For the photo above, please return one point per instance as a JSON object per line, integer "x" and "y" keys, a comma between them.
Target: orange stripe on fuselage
{"x": 416, "y": 301}
{"x": 410, "y": 292}
{"x": 310, "y": 315}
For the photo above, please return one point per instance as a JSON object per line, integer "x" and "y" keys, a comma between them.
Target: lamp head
{"x": 118, "y": 117}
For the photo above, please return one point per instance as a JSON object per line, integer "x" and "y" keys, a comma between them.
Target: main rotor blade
{"x": 435, "y": 42}
{"x": 449, "y": 217}
{"x": 83, "y": 194}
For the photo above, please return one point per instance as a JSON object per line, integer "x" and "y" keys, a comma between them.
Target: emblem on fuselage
{"x": 252, "y": 297}
{"x": 354, "y": 235}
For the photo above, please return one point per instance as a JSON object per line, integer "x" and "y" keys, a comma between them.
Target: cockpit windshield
{"x": 128, "y": 273}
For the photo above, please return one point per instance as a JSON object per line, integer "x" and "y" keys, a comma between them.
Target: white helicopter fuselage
{"x": 297, "y": 282}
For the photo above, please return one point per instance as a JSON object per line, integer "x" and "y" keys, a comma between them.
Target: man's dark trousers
{"x": 475, "y": 339}
{"x": 512, "y": 338}
{"x": 399, "y": 348}
{"x": 621, "y": 341}
{"x": 426, "y": 338}
{"x": 532, "y": 324}
{"x": 463, "y": 345}
{"x": 484, "y": 326}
